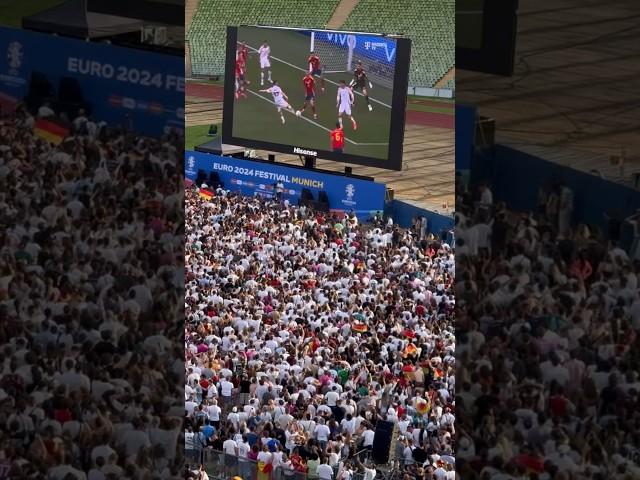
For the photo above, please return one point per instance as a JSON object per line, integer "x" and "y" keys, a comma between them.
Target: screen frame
{"x": 398, "y": 107}
{"x": 496, "y": 55}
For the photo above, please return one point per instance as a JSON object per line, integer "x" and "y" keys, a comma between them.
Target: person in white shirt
{"x": 265, "y": 62}
{"x": 367, "y": 437}
{"x": 280, "y": 99}
{"x": 344, "y": 100}
{"x": 226, "y": 391}
{"x": 324, "y": 471}
{"x": 321, "y": 433}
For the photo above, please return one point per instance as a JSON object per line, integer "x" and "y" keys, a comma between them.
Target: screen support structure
{"x": 309, "y": 162}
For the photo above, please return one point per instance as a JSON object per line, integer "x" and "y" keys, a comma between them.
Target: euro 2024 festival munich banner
{"x": 247, "y": 177}
{"x": 123, "y": 86}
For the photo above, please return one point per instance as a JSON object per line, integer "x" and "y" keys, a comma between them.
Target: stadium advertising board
{"x": 339, "y": 95}
{"x": 347, "y": 194}
{"x": 120, "y": 86}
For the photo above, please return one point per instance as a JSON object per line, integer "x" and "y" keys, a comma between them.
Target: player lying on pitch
{"x": 279, "y": 98}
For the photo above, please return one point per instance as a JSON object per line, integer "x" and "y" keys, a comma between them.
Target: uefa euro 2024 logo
{"x": 14, "y": 57}
{"x": 351, "y": 191}
{"x": 191, "y": 162}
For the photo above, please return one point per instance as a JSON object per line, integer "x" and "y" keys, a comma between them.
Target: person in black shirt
{"x": 360, "y": 82}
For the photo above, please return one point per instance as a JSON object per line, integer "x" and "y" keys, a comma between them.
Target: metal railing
{"x": 223, "y": 466}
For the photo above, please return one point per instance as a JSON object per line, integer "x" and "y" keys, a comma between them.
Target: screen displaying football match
{"x": 326, "y": 94}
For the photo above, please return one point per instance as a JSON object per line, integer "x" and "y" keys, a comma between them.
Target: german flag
{"x": 51, "y": 129}
{"x": 359, "y": 327}
{"x": 205, "y": 193}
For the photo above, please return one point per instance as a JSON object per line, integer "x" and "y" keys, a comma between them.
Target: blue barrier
{"x": 248, "y": 177}
{"x": 123, "y": 86}
{"x": 516, "y": 178}
{"x": 403, "y": 214}
{"x": 465, "y": 136}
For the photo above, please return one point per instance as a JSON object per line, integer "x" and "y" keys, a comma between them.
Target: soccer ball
{"x": 298, "y": 113}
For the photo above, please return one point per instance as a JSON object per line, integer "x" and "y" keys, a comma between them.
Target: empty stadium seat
{"x": 429, "y": 24}
{"x": 207, "y": 33}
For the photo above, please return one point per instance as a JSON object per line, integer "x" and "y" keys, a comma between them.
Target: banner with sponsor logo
{"x": 248, "y": 177}
{"x": 375, "y": 47}
{"x": 120, "y": 86}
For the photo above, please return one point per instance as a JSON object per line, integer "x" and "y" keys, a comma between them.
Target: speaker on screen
{"x": 382, "y": 441}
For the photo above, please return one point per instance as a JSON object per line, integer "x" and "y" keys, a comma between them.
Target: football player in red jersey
{"x": 309, "y": 94}
{"x": 242, "y": 53}
{"x": 240, "y": 80}
{"x": 337, "y": 138}
{"x": 315, "y": 68}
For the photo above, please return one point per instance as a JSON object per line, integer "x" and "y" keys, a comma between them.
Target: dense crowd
{"x": 303, "y": 331}
{"x": 548, "y": 351}
{"x": 91, "y": 274}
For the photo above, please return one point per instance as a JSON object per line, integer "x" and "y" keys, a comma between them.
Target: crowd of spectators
{"x": 548, "y": 356}
{"x": 303, "y": 330}
{"x": 91, "y": 276}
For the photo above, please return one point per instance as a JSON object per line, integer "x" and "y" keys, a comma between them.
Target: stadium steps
{"x": 446, "y": 79}
{"x": 187, "y": 60}
{"x": 341, "y": 13}
{"x": 189, "y": 11}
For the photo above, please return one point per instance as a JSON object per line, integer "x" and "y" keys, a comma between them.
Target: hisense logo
{"x": 302, "y": 151}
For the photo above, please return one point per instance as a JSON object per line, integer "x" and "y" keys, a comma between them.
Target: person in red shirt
{"x": 242, "y": 53}
{"x": 240, "y": 79}
{"x": 309, "y": 94}
{"x": 315, "y": 68}
{"x": 337, "y": 139}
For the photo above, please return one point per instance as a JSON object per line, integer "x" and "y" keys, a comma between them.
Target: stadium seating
{"x": 429, "y": 23}
{"x": 207, "y": 33}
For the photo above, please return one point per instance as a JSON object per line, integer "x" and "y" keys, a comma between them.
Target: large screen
{"x": 486, "y": 35}
{"x": 319, "y": 93}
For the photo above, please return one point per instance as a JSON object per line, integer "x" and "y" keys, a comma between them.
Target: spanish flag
{"x": 51, "y": 129}
{"x": 205, "y": 193}
{"x": 410, "y": 350}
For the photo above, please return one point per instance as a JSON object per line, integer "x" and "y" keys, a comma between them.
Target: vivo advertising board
{"x": 119, "y": 85}
{"x": 247, "y": 177}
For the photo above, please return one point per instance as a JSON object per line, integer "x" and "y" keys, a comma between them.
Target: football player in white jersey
{"x": 265, "y": 63}
{"x": 344, "y": 100}
{"x": 279, "y": 98}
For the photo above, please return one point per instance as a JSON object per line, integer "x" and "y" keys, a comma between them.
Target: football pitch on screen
{"x": 256, "y": 116}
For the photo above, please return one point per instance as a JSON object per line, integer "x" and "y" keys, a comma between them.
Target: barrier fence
{"x": 223, "y": 466}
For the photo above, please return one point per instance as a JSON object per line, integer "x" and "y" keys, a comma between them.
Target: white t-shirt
{"x": 322, "y": 433}
{"x": 229, "y": 446}
{"x": 226, "y": 388}
{"x": 345, "y": 96}
{"x": 324, "y": 471}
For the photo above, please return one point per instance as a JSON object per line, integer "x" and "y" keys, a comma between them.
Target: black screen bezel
{"x": 496, "y": 55}
{"x": 398, "y": 109}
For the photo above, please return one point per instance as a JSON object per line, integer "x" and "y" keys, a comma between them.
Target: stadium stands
{"x": 206, "y": 34}
{"x": 428, "y": 24}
